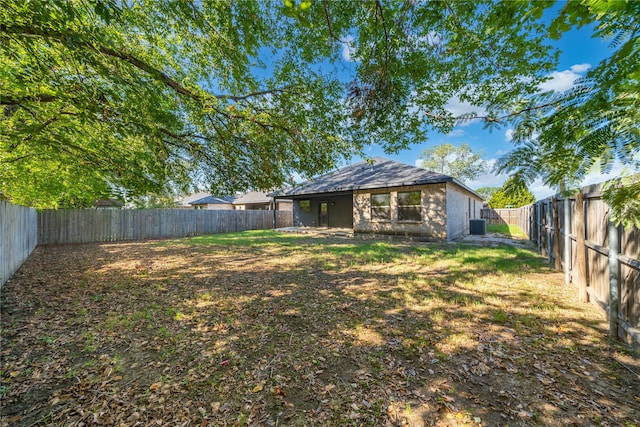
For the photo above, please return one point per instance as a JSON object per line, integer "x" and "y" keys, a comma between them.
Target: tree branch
{"x": 384, "y": 27}
{"x": 499, "y": 118}
{"x": 460, "y": 28}
{"x": 69, "y": 39}
{"x": 8, "y": 100}
{"x": 325, "y": 6}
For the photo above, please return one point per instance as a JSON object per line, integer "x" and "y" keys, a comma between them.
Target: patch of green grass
{"x": 473, "y": 259}
{"x": 512, "y": 231}
{"x": 248, "y": 238}
{"x": 364, "y": 252}
{"x": 499, "y": 316}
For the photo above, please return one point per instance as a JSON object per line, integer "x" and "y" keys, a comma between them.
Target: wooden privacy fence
{"x": 106, "y": 225}
{"x": 600, "y": 258}
{"x": 501, "y": 216}
{"x": 18, "y": 237}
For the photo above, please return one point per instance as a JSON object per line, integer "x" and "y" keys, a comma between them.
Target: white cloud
{"x": 488, "y": 179}
{"x": 347, "y": 48}
{"x": 456, "y": 132}
{"x": 580, "y": 68}
{"x": 508, "y": 135}
{"x": 561, "y": 81}
{"x": 542, "y": 191}
{"x": 596, "y": 177}
{"x": 458, "y": 108}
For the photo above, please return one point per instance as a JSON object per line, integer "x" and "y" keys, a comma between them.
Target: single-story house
{"x": 184, "y": 202}
{"x": 253, "y": 200}
{"x": 213, "y": 202}
{"x": 258, "y": 200}
{"x": 386, "y": 197}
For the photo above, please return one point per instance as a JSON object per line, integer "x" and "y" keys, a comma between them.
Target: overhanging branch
{"x": 73, "y": 38}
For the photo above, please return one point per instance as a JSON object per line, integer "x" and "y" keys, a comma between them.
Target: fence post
{"x": 567, "y": 239}
{"x": 556, "y": 240}
{"x": 614, "y": 280}
{"x": 539, "y": 224}
{"x": 547, "y": 225}
{"x": 583, "y": 296}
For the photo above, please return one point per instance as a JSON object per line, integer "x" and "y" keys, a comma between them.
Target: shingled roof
{"x": 380, "y": 173}
{"x": 213, "y": 200}
{"x": 252, "y": 197}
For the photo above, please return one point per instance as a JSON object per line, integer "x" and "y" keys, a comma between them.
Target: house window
{"x": 409, "y": 206}
{"x": 305, "y": 205}
{"x": 381, "y": 207}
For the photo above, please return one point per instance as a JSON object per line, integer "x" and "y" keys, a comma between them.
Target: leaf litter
{"x": 310, "y": 332}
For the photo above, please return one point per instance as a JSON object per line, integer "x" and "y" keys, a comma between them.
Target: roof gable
{"x": 379, "y": 173}
{"x": 251, "y": 197}
{"x": 213, "y": 200}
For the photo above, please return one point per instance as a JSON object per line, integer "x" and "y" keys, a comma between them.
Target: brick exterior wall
{"x": 460, "y": 209}
{"x": 432, "y": 227}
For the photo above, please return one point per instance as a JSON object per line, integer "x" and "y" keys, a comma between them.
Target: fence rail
{"x": 600, "y": 258}
{"x": 106, "y": 225}
{"x": 18, "y": 237}
{"x": 501, "y": 216}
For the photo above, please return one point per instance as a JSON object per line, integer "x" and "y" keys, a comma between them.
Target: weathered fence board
{"x": 587, "y": 232}
{"x": 18, "y": 237}
{"x": 107, "y": 225}
{"x": 501, "y": 216}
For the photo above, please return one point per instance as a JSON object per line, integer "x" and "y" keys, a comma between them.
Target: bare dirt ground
{"x": 269, "y": 330}
{"x": 496, "y": 239}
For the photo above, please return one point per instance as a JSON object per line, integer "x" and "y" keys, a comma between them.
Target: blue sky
{"x": 579, "y": 53}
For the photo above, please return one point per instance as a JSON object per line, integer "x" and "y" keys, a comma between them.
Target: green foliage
{"x": 486, "y": 192}
{"x": 513, "y": 194}
{"x": 155, "y": 201}
{"x": 625, "y": 193}
{"x": 459, "y": 162}
{"x": 561, "y": 137}
{"x": 104, "y": 97}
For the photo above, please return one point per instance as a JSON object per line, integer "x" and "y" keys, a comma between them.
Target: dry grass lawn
{"x": 263, "y": 329}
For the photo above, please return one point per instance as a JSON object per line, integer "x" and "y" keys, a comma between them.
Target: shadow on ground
{"x": 264, "y": 329}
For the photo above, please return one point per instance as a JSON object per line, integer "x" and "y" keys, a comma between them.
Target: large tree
{"x": 513, "y": 194}
{"x": 149, "y": 96}
{"x": 459, "y": 162}
{"x": 486, "y": 192}
{"x": 561, "y": 137}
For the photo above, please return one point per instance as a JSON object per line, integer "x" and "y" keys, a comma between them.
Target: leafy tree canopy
{"x": 513, "y": 194}
{"x": 486, "y": 192}
{"x": 561, "y": 137}
{"x": 103, "y": 96}
{"x": 459, "y": 162}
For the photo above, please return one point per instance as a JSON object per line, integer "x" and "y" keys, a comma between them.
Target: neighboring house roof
{"x": 380, "y": 173}
{"x": 186, "y": 200}
{"x": 102, "y": 203}
{"x": 252, "y": 197}
{"x": 213, "y": 200}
